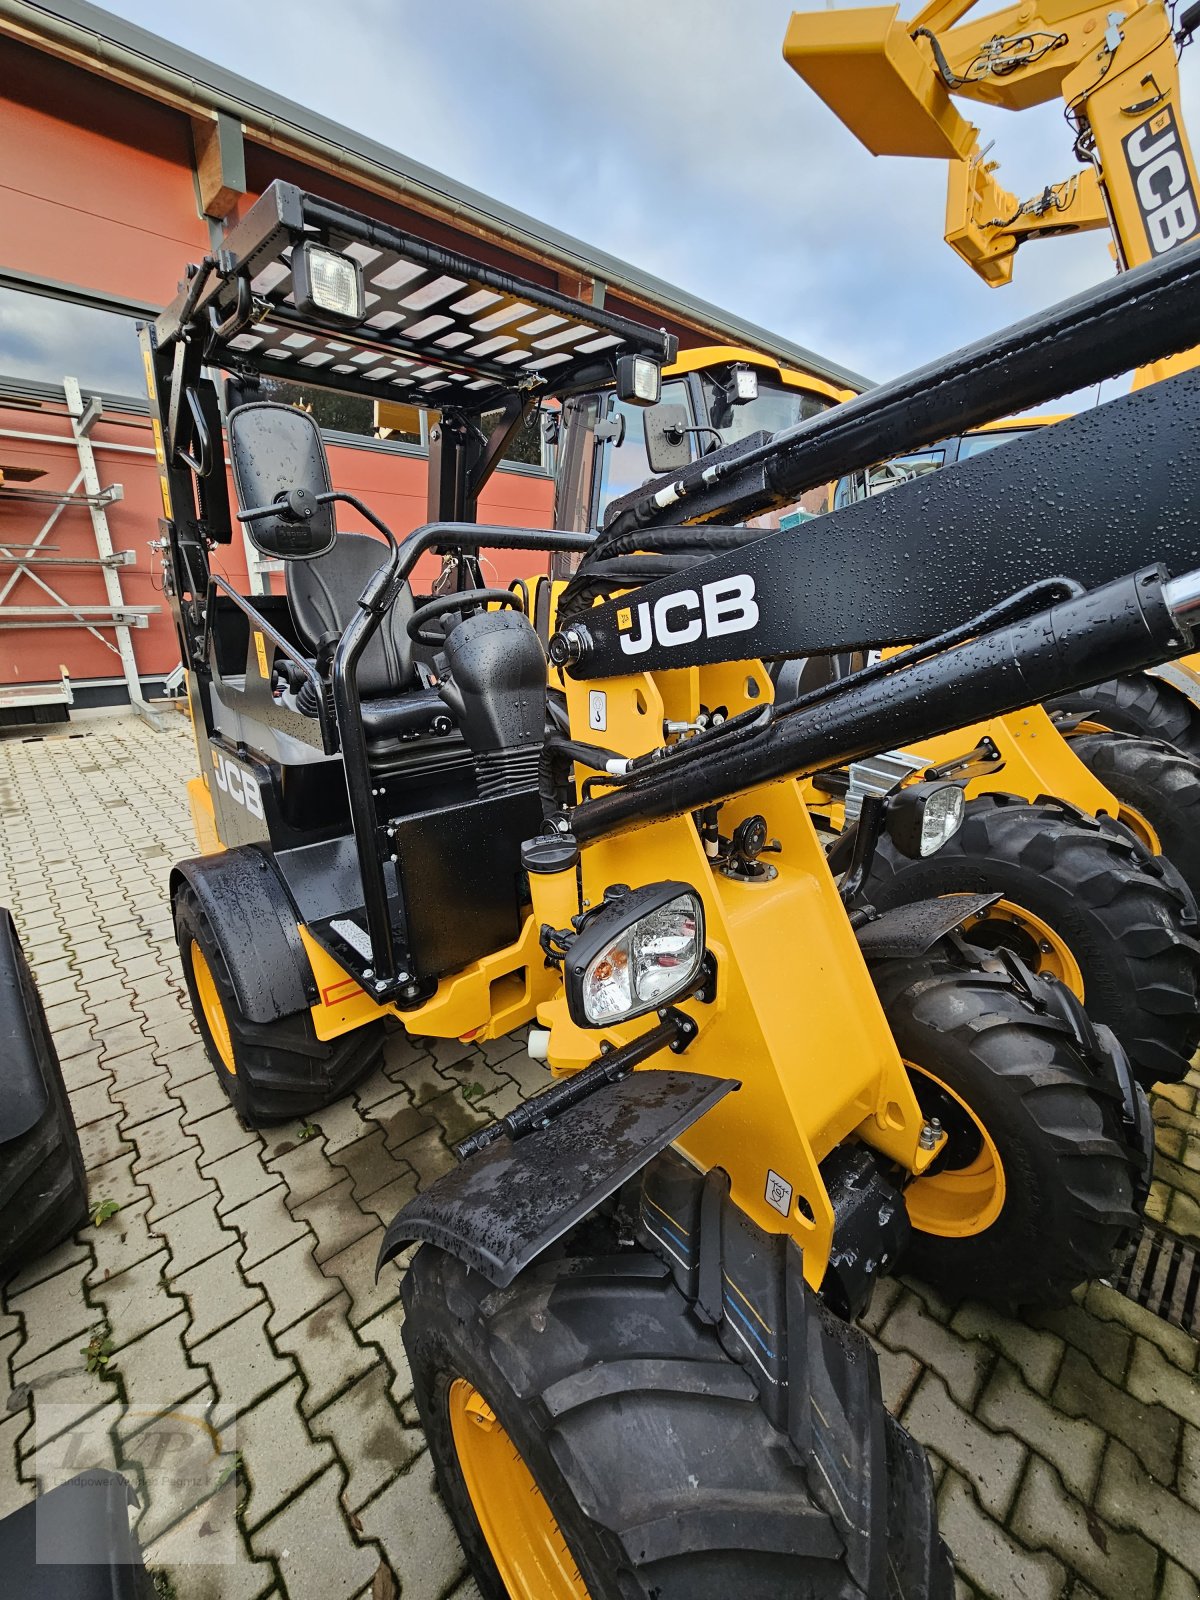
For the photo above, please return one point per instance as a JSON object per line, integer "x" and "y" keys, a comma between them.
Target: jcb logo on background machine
{"x": 725, "y": 606}
{"x": 238, "y": 784}
{"x": 1161, "y": 181}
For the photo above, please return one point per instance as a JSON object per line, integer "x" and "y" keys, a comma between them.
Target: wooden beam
{"x": 220, "y": 163}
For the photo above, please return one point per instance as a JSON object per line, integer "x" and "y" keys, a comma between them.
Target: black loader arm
{"x": 1135, "y": 318}
{"x": 1090, "y": 497}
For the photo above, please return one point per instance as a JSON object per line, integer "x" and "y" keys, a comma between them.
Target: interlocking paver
{"x": 265, "y": 1225}
{"x": 1117, "y": 1565}
{"x": 354, "y": 1268}
{"x": 995, "y": 1562}
{"x": 122, "y": 1241}
{"x": 238, "y": 1216}
{"x": 278, "y": 1451}
{"x": 1150, "y": 1430}
{"x": 220, "y": 1134}
{"x": 416, "y": 1534}
{"x": 294, "y": 1284}
{"x": 327, "y": 1358}
{"x": 962, "y": 1366}
{"x": 244, "y": 1367}
{"x": 334, "y": 1218}
{"x": 216, "y": 1292}
{"x": 1127, "y": 1498}
{"x": 318, "y": 1556}
{"x": 137, "y": 1299}
{"x": 54, "y": 1311}
{"x": 156, "y": 1370}
{"x": 368, "y": 1436}
{"x": 176, "y": 1183}
{"x": 991, "y": 1462}
{"x": 1074, "y": 1445}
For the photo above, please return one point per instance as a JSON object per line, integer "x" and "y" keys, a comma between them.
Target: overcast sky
{"x": 670, "y": 133}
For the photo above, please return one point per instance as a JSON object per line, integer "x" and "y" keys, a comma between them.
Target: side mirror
{"x": 278, "y": 459}
{"x": 668, "y": 446}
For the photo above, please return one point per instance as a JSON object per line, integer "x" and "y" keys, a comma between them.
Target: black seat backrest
{"x": 323, "y": 597}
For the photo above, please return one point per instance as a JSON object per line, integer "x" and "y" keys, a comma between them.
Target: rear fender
{"x": 256, "y": 926}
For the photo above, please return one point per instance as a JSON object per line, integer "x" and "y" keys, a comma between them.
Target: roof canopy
{"x": 439, "y": 330}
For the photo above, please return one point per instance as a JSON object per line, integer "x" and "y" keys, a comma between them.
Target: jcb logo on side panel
{"x": 238, "y": 784}
{"x": 726, "y": 606}
{"x": 1161, "y": 181}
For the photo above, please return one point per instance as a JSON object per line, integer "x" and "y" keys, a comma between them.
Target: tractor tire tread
{"x": 1128, "y": 918}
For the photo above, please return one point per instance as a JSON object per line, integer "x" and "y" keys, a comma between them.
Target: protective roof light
{"x": 639, "y": 380}
{"x": 327, "y": 284}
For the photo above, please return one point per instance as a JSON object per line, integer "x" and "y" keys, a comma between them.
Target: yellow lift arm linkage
{"x": 1115, "y": 67}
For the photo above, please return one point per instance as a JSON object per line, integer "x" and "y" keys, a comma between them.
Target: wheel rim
{"x": 964, "y": 1192}
{"x": 1038, "y": 944}
{"x": 525, "y": 1541}
{"x": 212, "y": 1008}
{"x": 1141, "y": 827}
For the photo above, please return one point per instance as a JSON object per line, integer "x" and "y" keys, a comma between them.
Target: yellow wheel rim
{"x": 1141, "y": 828}
{"x": 210, "y": 1005}
{"x": 967, "y": 1194}
{"x": 1035, "y": 941}
{"x": 526, "y": 1543}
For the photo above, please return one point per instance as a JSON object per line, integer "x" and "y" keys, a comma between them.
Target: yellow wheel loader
{"x": 1082, "y": 900}
{"x": 630, "y": 1315}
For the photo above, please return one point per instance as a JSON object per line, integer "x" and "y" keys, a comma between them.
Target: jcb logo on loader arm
{"x": 726, "y": 606}
{"x": 237, "y": 784}
{"x": 1161, "y": 181}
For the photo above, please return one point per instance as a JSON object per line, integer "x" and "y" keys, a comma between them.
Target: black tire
{"x": 1155, "y": 780}
{"x": 1139, "y": 705}
{"x": 1126, "y": 917}
{"x": 43, "y": 1188}
{"x": 281, "y": 1070}
{"x": 1074, "y": 1151}
{"x": 651, "y": 1444}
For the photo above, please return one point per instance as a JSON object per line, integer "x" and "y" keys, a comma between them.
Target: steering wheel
{"x": 464, "y": 599}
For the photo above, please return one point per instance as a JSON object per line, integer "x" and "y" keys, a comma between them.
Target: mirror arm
{"x": 372, "y": 607}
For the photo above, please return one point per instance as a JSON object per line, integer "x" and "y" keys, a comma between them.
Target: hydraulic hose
{"x": 1132, "y": 623}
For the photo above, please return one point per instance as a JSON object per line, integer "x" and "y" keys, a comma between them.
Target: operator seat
{"x": 323, "y": 596}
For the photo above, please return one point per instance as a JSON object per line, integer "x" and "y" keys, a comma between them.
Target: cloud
{"x": 49, "y": 339}
{"x": 671, "y": 134}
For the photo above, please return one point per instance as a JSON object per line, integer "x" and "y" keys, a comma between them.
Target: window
{"x": 877, "y": 480}
{"x": 526, "y": 445}
{"x": 334, "y": 411}
{"x": 624, "y": 464}
{"x": 776, "y": 407}
{"x": 974, "y": 444}
{"x": 45, "y": 340}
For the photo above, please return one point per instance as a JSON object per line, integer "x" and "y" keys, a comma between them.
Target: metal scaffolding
{"x": 31, "y": 558}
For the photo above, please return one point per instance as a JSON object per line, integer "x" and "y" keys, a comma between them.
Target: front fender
{"x": 504, "y": 1206}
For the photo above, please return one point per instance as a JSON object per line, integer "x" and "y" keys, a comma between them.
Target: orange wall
{"x": 393, "y": 485}
{"x": 96, "y": 191}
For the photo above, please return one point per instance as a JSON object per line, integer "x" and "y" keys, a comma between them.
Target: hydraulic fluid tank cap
{"x": 547, "y": 854}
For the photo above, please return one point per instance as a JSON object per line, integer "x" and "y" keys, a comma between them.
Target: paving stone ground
{"x": 236, "y": 1280}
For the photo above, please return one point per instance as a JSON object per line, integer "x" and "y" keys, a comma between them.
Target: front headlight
{"x": 922, "y": 817}
{"x": 642, "y": 949}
